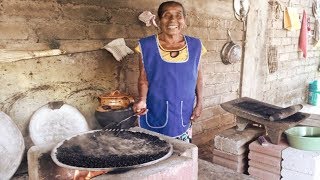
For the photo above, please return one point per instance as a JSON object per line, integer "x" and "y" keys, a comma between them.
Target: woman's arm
{"x": 199, "y": 96}
{"x": 142, "y": 88}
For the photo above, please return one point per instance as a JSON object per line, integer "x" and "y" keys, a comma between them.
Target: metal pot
{"x": 104, "y": 118}
{"x": 115, "y": 100}
{"x": 231, "y": 52}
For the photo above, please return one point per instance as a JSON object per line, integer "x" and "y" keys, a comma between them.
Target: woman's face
{"x": 172, "y": 21}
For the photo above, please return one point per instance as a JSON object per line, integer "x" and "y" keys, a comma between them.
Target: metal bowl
{"x": 230, "y": 53}
{"x": 304, "y": 138}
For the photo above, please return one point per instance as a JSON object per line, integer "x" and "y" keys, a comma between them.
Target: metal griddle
{"x": 107, "y": 169}
{"x": 254, "y": 111}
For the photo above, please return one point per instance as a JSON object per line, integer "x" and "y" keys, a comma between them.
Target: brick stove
{"x": 182, "y": 164}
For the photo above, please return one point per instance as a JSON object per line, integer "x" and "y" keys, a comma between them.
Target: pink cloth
{"x": 303, "y": 39}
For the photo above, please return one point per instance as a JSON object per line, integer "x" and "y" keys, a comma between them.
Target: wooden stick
{"x": 17, "y": 52}
{"x": 10, "y": 55}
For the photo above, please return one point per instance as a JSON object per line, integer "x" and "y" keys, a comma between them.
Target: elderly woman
{"x": 170, "y": 81}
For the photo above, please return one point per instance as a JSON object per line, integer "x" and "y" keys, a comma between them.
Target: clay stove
{"x": 250, "y": 110}
{"x": 182, "y": 164}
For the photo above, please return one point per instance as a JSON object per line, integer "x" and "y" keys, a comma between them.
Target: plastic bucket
{"x": 314, "y": 94}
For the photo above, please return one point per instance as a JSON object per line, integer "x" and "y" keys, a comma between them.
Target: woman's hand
{"x": 140, "y": 105}
{"x": 196, "y": 112}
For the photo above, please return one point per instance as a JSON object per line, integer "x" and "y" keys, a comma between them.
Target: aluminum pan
{"x": 11, "y": 147}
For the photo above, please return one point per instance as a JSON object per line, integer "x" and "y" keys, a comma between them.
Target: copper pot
{"x": 114, "y": 100}
{"x": 231, "y": 52}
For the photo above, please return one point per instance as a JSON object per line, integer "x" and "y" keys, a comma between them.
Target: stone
{"x": 262, "y": 158}
{"x": 239, "y": 167}
{"x": 236, "y": 142}
{"x": 307, "y": 162}
{"x": 270, "y": 150}
{"x": 229, "y": 156}
{"x": 264, "y": 167}
{"x": 262, "y": 174}
{"x": 293, "y": 175}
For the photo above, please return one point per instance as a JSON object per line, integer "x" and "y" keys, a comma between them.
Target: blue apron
{"x": 172, "y": 87}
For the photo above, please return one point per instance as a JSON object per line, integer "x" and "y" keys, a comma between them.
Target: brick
{"x": 215, "y": 23}
{"x": 270, "y": 150}
{"x": 218, "y": 34}
{"x": 199, "y": 20}
{"x": 125, "y": 16}
{"x": 263, "y": 175}
{"x": 262, "y": 158}
{"x": 61, "y": 30}
{"x": 91, "y": 13}
{"x": 214, "y": 78}
{"x": 31, "y": 9}
{"x": 208, "y": 135}
{"x": 139, "y": 31}
{"x": 307, "y": 162}
{"x": 196, "y": 128}
{"x": 107, "y": 31}
{"x": 238, "y": 167}
{"x": 265, "y": 167}
{"x": 211, "y": 101}
{"x": 236, "y": 142}
{"x": 232, "y": 77}
{"x": 222, "y": 88}
{"x": 207, "y": 113}
{"x": 208, "y": 91}
{"x": 229, "y": 156}
{"x": 13, "y": 30}
{"x": 293, "y": 175}
{"x": 221, "y": 68}
{"x": 198, "y": 32}
{"x": 213, "y": 123}
{"x": 102, "y": 3}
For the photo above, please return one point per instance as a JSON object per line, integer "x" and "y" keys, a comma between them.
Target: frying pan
{"x": 55, "y": 150}
{"x": 231, "y": 52}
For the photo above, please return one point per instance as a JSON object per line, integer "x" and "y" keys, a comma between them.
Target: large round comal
{"x": 105, "y": 151}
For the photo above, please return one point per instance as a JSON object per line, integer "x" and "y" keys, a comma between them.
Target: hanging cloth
{"x": 303, "y": 39}
{"x": 291, "y": 19}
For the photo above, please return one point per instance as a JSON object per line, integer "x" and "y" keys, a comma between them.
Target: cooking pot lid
{"x": 104, "y": 151}
{"x": 11, "y": 147}
{"x": 51, "y": 125}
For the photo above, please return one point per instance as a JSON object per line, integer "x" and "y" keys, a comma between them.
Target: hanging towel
{"x": 303, "y": 39}
{"x": 148, "y": 18}
{"x": 118, "y": 48}
{"x": 291, "y": 19}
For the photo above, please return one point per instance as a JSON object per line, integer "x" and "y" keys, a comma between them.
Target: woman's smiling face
{"x": 172, "y": 20}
